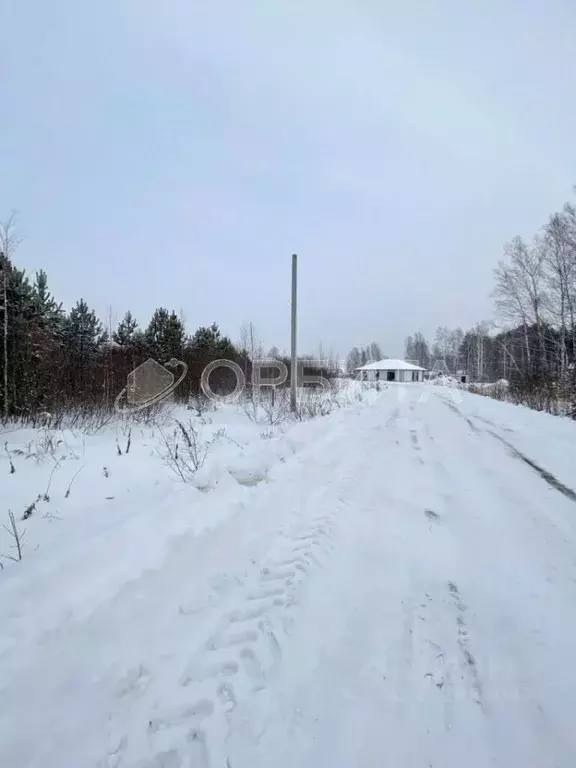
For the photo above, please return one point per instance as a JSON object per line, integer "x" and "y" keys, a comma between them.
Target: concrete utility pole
{"x": 294, "y": 361}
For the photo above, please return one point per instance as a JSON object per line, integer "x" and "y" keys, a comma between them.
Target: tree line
{"x": 53, "y": 359}
{"x": 359, "y": 356}
{"x": 537, "y": 362}
{"x": 532, "y": 343}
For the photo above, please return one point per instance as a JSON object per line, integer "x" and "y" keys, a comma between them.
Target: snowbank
{"x": 103, "y": 508}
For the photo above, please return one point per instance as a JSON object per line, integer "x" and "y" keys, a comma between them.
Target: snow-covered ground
{"x": 390, "y": 585}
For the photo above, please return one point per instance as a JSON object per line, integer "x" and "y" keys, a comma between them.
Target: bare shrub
{"x": 68, "y": 490}
{"x": 269, "y": 406}
{"x": 46, "y": 495}
{"x": 47, "y": 442}
{"x": 184, "y": 451}
{"x": 45, "y": 445}
{"x": 18, "y": 537}
{"x": 250, "y": 405}
{"x": 314, "y": 403}
{"x": 275, "y": 405}
{"x": 30, "y": 509}
{"x": 151, "y": 415}
{"x": 12, "y": 467}
{"x": 127, "y": 446}
{"x": 543, "y": 393}
{"x": 310, "y": 407}
{"x": 87, "y": 418}
{"x": 200, "y": 404}
{"x": 540, "y": 393}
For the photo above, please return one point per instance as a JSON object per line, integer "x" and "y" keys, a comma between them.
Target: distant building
{"x": 391, "y": 370}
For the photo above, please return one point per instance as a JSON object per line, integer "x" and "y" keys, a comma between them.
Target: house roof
{"x": 390, "y": 364}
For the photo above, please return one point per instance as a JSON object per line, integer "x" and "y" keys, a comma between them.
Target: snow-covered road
{"x": 401, "y": 593}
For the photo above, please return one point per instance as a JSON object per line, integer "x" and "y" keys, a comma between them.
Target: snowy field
{"x": 393, "y": 584}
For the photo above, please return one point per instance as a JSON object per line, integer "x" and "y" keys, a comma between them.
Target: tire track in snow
{"x": 454, "y": 408}
{"x": 436, "y": 641}
{"x": 544, "y": 474}
{"x": 259, "y": 659}
{"x": 547, "y": 476}
{"x": 249, "y": 644}
{"x": 492, "y": 423}
{"x": 415, "y": 443}
{"x": 393, "y": 418}
{"x": 434, "y": 694}
{"x": 238, "y": 651}
{"x": 463, "y": 644}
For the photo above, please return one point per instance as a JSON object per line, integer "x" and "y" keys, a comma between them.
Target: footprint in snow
{"x": 170, "y": 759}
{"x": 227, "y": 696}
{"x": 251, "y": 664}
{"x": 135, "y": 681}
{"x": 196, "y": 712}
{"x": 194, "y": 674}
{"x": 197, "y": 749}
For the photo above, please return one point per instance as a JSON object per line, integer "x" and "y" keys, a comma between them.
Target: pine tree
{"x": 82, "y": 339}
{"x": 9, "y": 241}
{"x": 31, "y": 322}
{"x": 82, "y": 331}
{"x": 20, "y": 326}
{"x": 48, "y": 311}
{"x": 45, "y": 345}
{"x": 126, "y": 331}
{"x": 209, "y": 342}
{"x": 165, "y": 335}
{"x": 4, "y": 366}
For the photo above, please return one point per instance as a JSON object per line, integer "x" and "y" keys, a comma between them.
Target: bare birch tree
{"x": 560, "y": 264}
{"x": 521, "y": 291}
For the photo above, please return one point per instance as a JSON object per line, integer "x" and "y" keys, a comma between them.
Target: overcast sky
{"x": 176, "y": 152}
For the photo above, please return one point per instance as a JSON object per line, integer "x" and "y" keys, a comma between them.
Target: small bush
{"x": 184, "y": 451}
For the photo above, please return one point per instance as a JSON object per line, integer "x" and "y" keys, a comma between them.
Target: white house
{"x": 391, "y": 370}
